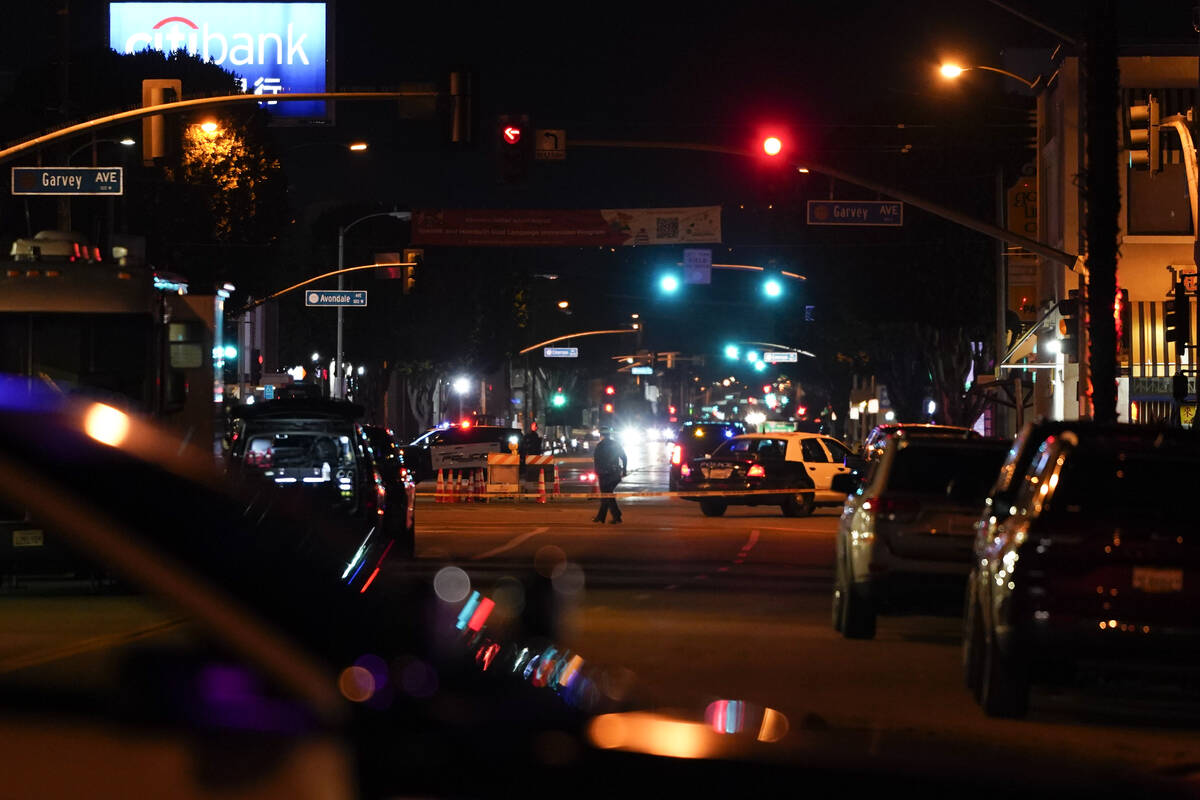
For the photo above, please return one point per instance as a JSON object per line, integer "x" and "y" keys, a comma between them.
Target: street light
{"x": 339, "y": 389}
{"x": 952, "y": 71}
{"x": 461, "y": 386}
{"x": 126, "y": 142}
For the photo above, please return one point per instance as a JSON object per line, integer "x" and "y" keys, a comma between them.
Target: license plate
{"x": 27, "y": 539}
{"x": 719, "y": 472}
{"x": 1157, "y": 581}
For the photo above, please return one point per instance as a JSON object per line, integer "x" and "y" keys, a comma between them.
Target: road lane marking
{"x": 39, "y": 657}
{"x": 509, "y": 545}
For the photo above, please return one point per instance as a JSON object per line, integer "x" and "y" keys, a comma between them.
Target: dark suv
{"x": 315, "y": 452}
{"x": 698, "y": 440}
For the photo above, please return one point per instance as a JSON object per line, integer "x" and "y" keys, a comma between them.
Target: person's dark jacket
{"x": 610, "y": 460}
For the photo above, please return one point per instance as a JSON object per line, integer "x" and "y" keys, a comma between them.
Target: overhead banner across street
{"x": 616, "y": 227}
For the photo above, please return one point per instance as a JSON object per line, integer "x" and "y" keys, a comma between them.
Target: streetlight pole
{"x": 338, "y": 379}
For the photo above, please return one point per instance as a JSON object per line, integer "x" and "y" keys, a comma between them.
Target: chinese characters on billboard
{"x": 271, "y": 47}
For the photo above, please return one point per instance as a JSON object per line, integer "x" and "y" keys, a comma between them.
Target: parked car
{"x": 905, "y": 536}
{"x": 400, "y": 519}
{"x": 697, "y": 440}
{"x": 459, "y": 447}
{"x": 877, "y": 438}
{"x": 314, "y": 452}
{"x": 1097, "y": 565}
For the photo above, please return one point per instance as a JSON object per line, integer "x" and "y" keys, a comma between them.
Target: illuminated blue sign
{"x": 271, "y": 47}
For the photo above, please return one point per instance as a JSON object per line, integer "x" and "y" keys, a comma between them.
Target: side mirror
{"x": 846, "y": 483}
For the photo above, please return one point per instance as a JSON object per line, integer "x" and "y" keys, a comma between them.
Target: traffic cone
{"x": 439, "y": 493}
{"x": 454, "y": 478}
{"x": 541, "y": 486}
{"x": 478, "y": 486}
{"x": 557, "y": 487}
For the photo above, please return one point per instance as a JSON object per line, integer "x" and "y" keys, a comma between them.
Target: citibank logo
{"x": 239, "y": 49}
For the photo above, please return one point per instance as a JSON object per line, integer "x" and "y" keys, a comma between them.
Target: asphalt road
{"x": 700, "y": 609}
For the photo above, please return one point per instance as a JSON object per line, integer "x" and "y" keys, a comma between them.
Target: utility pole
{"x": 1103, "y": 206}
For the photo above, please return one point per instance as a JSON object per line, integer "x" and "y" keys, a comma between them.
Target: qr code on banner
{"x": 668, "y": 228}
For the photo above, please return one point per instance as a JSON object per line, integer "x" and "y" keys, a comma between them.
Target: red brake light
{"x": 894, "y": 505}
{"x": 756, "y": 471}
{"x": 677, "y": 454}
{"x": 466, "y": 423}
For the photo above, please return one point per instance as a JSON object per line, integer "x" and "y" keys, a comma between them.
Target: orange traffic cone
{"x": 541, "y": 486}
{"x": 439, "y": 493}
{"x": 557, "y": 487}
{"x": 478, "y": 486}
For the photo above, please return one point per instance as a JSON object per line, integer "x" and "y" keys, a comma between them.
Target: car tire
{"x": 712, "y": 508}
{"x": 799, "y": 505}
{"x": 1004, "y": 689}
{"x": 840, "y": 590}
{"x": 972, "y": 647}
{"x": 858, "y": 615}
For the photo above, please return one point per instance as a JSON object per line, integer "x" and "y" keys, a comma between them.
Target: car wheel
{"x": 712, "y": 508}
{"x": 1004, "y": 690}
{"x": 840, "y": 589}
{"x": 799, "y": 505}
{"x": 972, "y": 647}
{"x": 858, "y": 615}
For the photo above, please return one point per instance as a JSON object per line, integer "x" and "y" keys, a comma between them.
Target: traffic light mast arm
{"x": 316, "y": 278}
{"x": 108, "y": 121}
{"x": 533, "y": 347}
{"x": 1180, "y": 123}
{"x": 1072, "y": 262}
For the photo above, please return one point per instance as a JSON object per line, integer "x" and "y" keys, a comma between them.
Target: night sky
{"x": 853, "y": 84}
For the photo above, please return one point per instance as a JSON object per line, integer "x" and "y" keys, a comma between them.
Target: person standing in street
{"x": 611, "y": 465}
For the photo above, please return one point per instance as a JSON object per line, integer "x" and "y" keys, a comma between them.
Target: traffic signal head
{"x": 1179, "y": 312}
{"x": 1068, "y": 325}
{"x": 610, "y": 389}
{"x": 1143, "y": 141}
{"x": 558, "y": 400}
{"x": 731, "y": 352}
{"x": 669, "y": 283}
{"x": 513, "y": 146}
{"x": 772, "y": 288}
{"x": 608, "y": 408}
{"x": 772, "y": 145}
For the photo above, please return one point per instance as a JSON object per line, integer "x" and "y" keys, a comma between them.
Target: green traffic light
{"x": 559, "y": 400}
{"x": 731, "y": 352}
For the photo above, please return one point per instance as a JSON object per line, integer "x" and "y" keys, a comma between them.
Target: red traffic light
{"x": 610, "y": 389}
{"x": 511, "y": 134}
{"x": 608, "y": 408}
{"x": 772, "y": 145}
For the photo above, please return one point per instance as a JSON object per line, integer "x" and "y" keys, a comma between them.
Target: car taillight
{"x": 676, "y": 455}
{"x": 588, "y": 476}
{"x": 685, "y": 470}
{"x": 893, "y": 506}
{"x": 756, "y": 471}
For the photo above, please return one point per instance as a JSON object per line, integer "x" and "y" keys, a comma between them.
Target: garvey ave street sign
{"x": 68, "y": 180}
{"x": 560, "y": 352}
{"x": 342, "y": 297}
{"x": 855, "y": 212}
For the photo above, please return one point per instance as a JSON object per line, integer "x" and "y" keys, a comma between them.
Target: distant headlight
{"x": 630, "y": 436}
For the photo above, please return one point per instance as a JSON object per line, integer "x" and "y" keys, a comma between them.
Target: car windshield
{"x": 965, "y": 473}
{"x": 1102, "y": 484}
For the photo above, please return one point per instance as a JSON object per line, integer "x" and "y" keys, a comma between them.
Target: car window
{"x": 837, "y": 451}
{"x": 813, "y": 452}
{"x": 771, "y": 448}
{"x": 735, "y": 446}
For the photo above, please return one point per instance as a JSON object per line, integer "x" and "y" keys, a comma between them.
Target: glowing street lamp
{"x": 952, "y": 71}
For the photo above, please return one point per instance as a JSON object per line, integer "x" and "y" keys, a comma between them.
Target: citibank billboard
{"x": 271, "y": 47}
